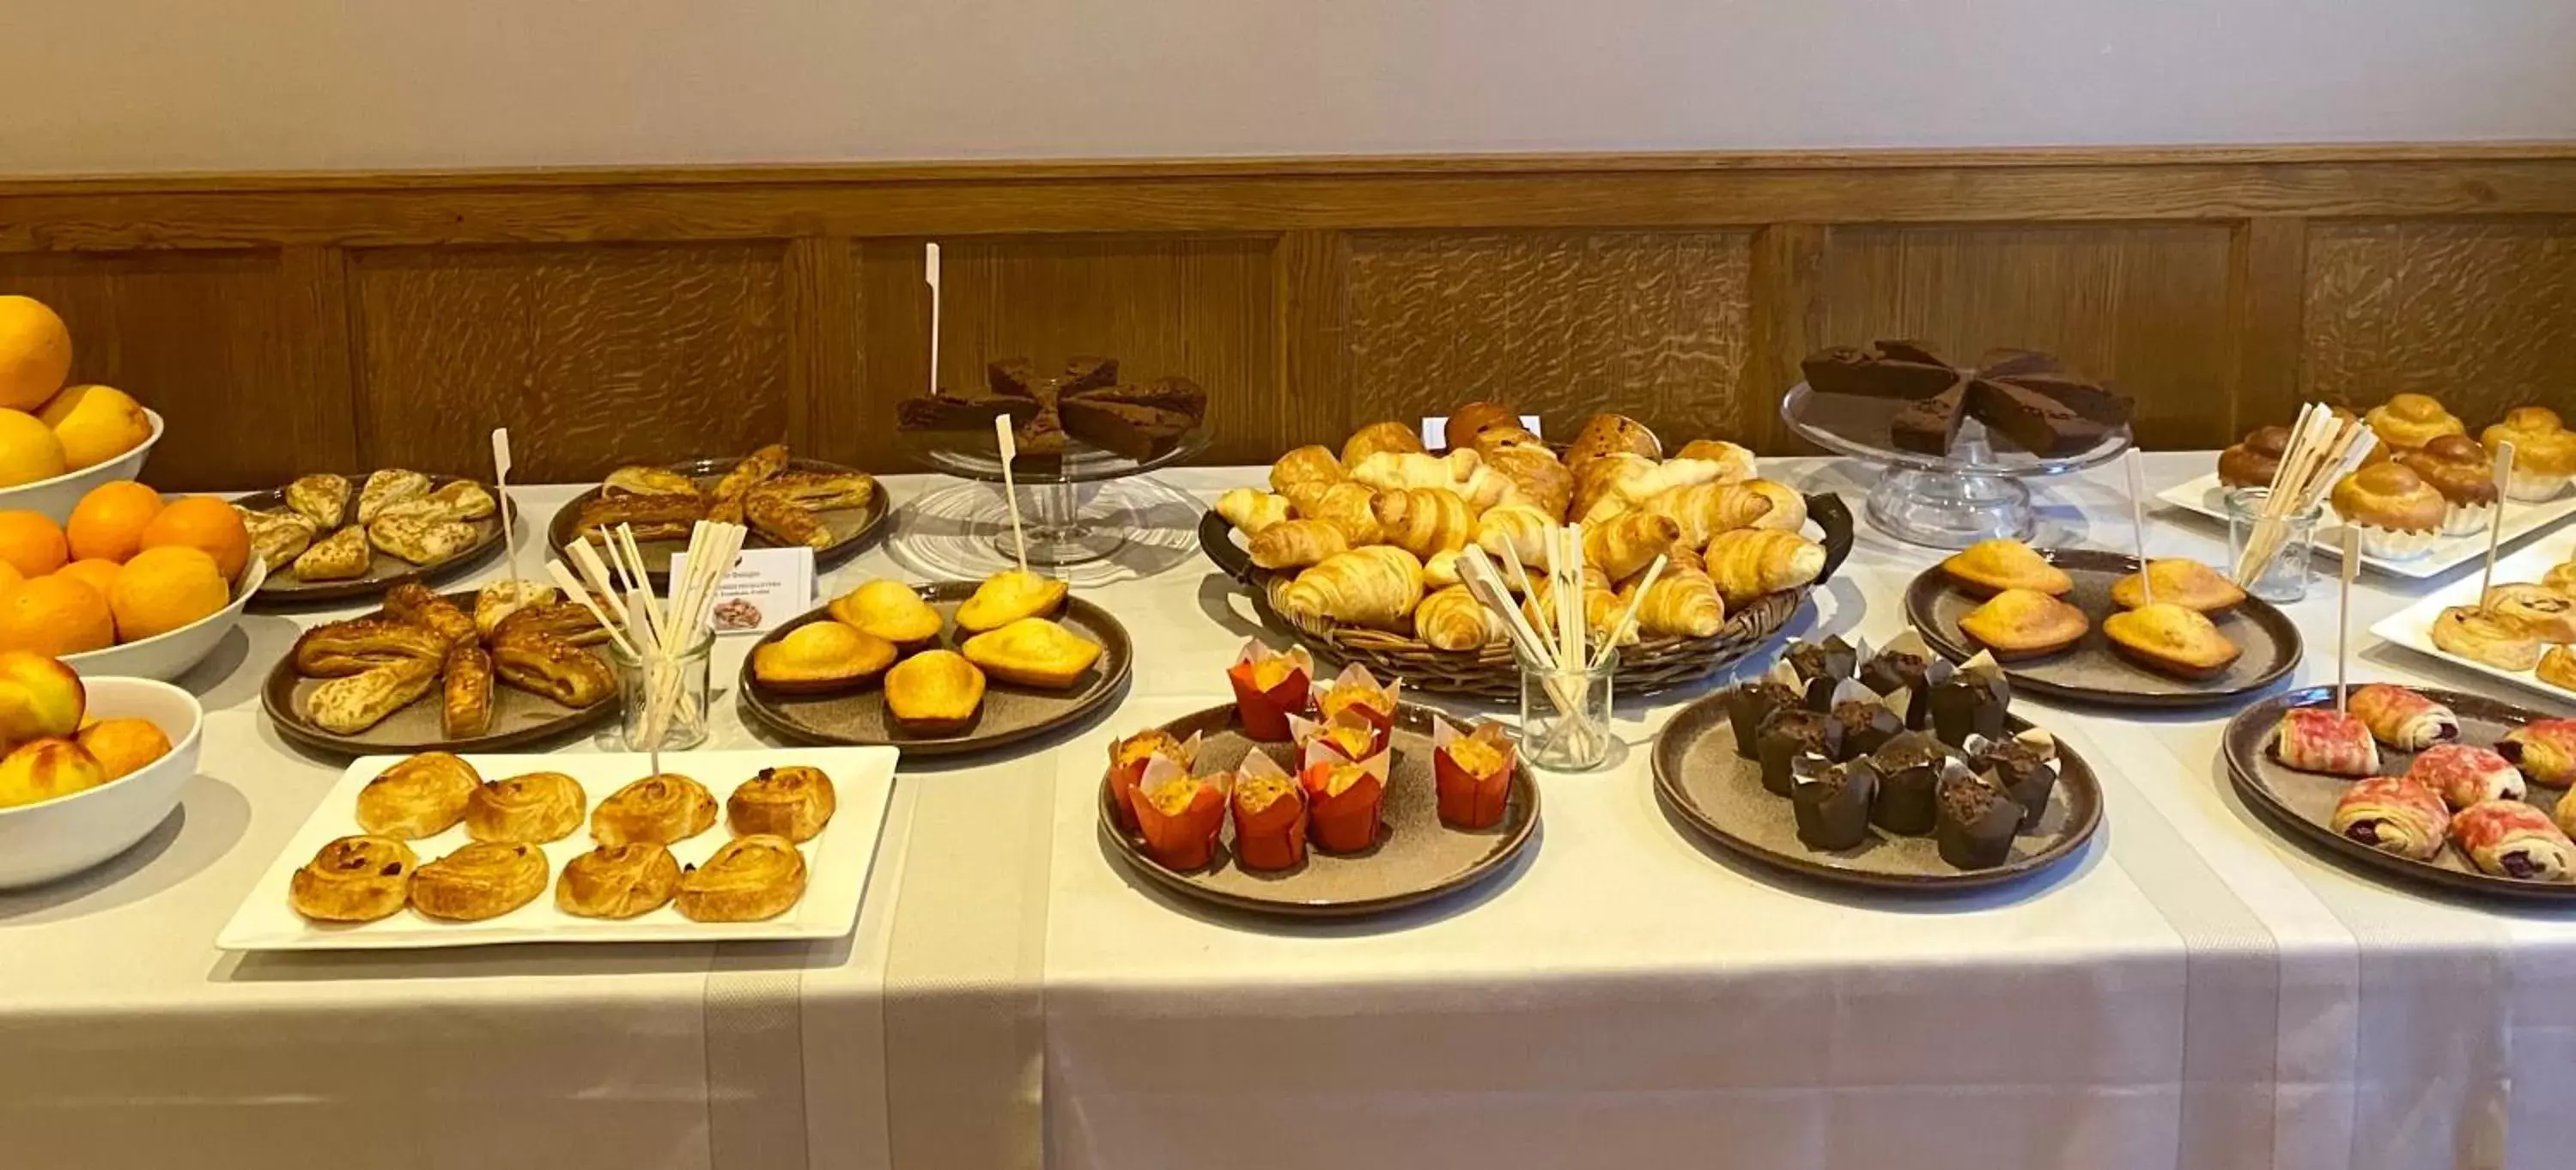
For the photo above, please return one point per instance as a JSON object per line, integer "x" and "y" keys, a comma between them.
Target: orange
{"x": 29, "y": 450}
{"x": 95, "y": 424}
{"x": 162, "y": 589}
{"x": 32, "y": 544}
{"x": 108, "y": 523}
{"x": 35, "y": 352}
{"x": 124, "y": 745}
{"x": 55, "y": 616}
{"x": 99, "y": 575}
{"x": 206, "y": 524}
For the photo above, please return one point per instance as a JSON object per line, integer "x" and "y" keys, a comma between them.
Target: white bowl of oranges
{"x": 93, "y": 765}
{"x": 134, "y": 586}
{"x": 57, "y": 441}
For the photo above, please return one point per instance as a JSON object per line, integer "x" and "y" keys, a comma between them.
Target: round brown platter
{"x": 386, "y": 570}
{"x": 2091, "y": 671}
{"x": 853, "y": 529}
{"x": 1698, "y": 777}
{"x": 1010, "y": 713}
{"x": 518, "y": 717}
{"x": 2302, "y": 803}
{"x": 1415, "y": 859}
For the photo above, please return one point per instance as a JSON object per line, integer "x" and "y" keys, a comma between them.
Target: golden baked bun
{"x": 1991, "y": 566}
{"x": 663, "y": 809}
{"x": 820, "y": 657}
{"x": 1033, "y": 652}
{"x": 747, "y": 880}
{"x": 1607, "y": 434}
{"x": 422, "y": 796}
{"x": 531, "y": 809}
{"x": 2171, "y": 639}
{"x": 2457, "y": 466}
{"x": 2254, "y": 460}
{"x": 2408, "y": 421}
{"x": 486, "y": 879}
{"x": 618, "y": 881}
{"x": 2390, "y": 496}
{"x": 890, "y": 610}
{"x": 2480, "y": 636}
{"x": 2544, "y": 451}
{"x": 2025, "y": 623}
{"x": 1475, "y": 418}
{"x": 1008, "y": 596}
{"x": 1377, "y": 437}
{"x": 354, "y": 879}
{"x": 794, "y": 802}
{"x": 935, "y": 692}
{"x": 2187, "y": 583}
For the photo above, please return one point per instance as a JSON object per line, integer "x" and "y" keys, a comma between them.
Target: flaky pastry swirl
{"x": 662, "y": 809}
{"x": 482, "y": 880}
{"x": 792, "y": 802}
{"x": 749, "y": 879}
{"x": 422, "y": 796}
{"x": 354, "y": 879}
{"x": 618, "y": 881}
{"x": 531, "y": 809}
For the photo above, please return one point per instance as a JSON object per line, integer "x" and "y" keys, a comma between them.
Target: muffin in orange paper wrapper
{"x": 1269, "y": 687}
{"x": 1355, "y": 691}
{"x": 1269, "y": 815}
{"x": 1349, "y": 734}
{"x": 1473, "y": 770}
{"x": 1127, "y": 760}
{"x": 1343, "y": 799}
{"x": 1179, "y": 814}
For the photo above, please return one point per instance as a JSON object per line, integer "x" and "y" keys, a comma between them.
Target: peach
{"x": 46, "y": 768}
{"x": 39, "y": 697}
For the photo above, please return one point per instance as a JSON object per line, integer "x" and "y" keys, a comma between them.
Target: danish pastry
{"x": 335, "y": 649}
{"x": 422, "y": 606}
{"x": 890, "y": 610}
{"x": 323, "y": 499}
{"x": 460, "y": 500}
{"x": 755, "y": 469}
{"x": 465, "y": 704}
{"x": 652, "y": 517}
{"x": 1033, "y": 652}
{"x": 2481, "y": 636}
{"x": 387, "y": 488}
{"x": 794, "y": 802}
{"x": 663, "y": 809}
{"x": 278, "y": 537}
{"x": 2558, "y": 668}
{"x": 543, "y": 664}
{"x": 531, "y": 809}
{"x": 784, "y": 520}
{"x": 820, "y": 657}
{"x": 347, "y": 706}
{"x": 422, "y": 796}
{"x": 341, "y": 556}
{"x": 485, "y": 879}
{"x": 747, "y": 880}
{"x": 569, "y": 621}
{"x": 2549, "y": 614}
{"x": 494, "y": 603}
{"x": 354, "y": 879}
{"x": 618, "y": 881}
{"x": 648, "y": 481}
{"x": 422, "y": 541}
{"x": 822, "y": 491}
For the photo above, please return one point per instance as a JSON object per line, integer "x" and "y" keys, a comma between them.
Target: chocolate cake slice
{"x": 2100, "y": 404}
{"x": 1084, "y": 372}
{"x": 1878, "y": 374}
{"x": 1125, "y": 428}
{"x": 1013, "y": 377}
{"x": 957, "y": 412}
{"x": 2036, "y": 422}
{"x": 1928, "y": 426}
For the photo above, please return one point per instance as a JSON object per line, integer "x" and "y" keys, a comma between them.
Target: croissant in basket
{"x": 1423, "y": 521}
{"x": 1374, "y": 586}
{"x": 1750, "y": 562}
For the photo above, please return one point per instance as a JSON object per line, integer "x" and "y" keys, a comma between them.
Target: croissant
{"x": 1346, "y": 506}
{"x": 1704, "y": 510}
{"x": 1599, "y": 480}
{"x": 1423, "y": 521}
{"x": 1632, "y": 484}
{"x": 1250, "y": 510}
{"x": 1295, "y": 544}
{"x": 1452, "y": 619}
{"x": 1305, "y": 465}
{"x": 1388, "y": 470}
{"x": 1515, "y": 532}
{"x": 1625, "y": 545}
{"x": 1440, "y": 570}
{"x": 1306, "y": 500}
{"x": 1374, "y": 586}
{"x": 1376, "y": 437}
{"x": 1607, "y": 434}
{"x": 1684, "y": 603}
{"x": 1750, "y": 562}
{"x": 1537, "y": 475}
{"x": 1788, "y": 508}
{"x": 1601, "y": 606}
{"x": 1736, "y": 460}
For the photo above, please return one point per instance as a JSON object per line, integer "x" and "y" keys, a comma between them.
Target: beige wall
{"x": 141, "y": 85}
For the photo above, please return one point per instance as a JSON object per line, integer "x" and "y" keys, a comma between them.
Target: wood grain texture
{"x": 1561, "y": 324}
{"x": 2144, "y": 307}
{"x": 2480, "y": 315}
{"x": 2267, "y": 301}
{"x": 213, "y": 341}
{"x": 592, "y": 356}
{"x": 1195, "y": 306}
{"x": 1788, "y": 276}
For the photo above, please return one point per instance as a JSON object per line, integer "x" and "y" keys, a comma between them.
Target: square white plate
{"x": 2209, "y": 498}
{"x": 837, "y": 860}
{"x": 2412, "y": 627}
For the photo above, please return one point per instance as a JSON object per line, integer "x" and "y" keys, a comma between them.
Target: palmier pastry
{"x": 2550, "y": 615}
{"x": 465, "y": 693}
{"x": 2457, "y": 467}
{"x": 935, "y": 692}
{"x": 1992, "y": 566}
{"x": 1008, "y": 596}
{"x": 570, "y": 621}
{"x": 387, "y": 488}
{"x": 341, "y": 556}
{"x": 820, "y": 657}
{"x": 2187, "y": 583}
{"x": 2393, "y": 814}
{"x": 2025, "y": 623}
{"x": 618, "y": 881}
{"x": 2408, "y": 421}
{"x": 335, "y": 649}
{"x": 1033, "y": 652}
{"x": 2481, "y": 636}
{"x": 349, "y": 705}
{"x": 494, "y": 603}
{"x": 2171, "y": 639}
{"x": 754, "y": 470}
{"x": 890, "y": 610}
{"x": 662, "y": 517}
{"x": 2398, "y": 514}
{"x": 420, "y": 540}
{"x": 784, "y": 520}
{"x": 459, "y": 500}
{"x": 664, "y": 809}
{"x": 531, "y": 809}
{"x": 2511, "y": 839}
{"x": 353, "y": 879}
{"x": 748, "y": 879}
{"x": 792, "y": 802}
{"x": 2253, "y": 461}
{"x": 543, "y": 664}
{"x": 485, "y": 879}
{"x": 278, "y": 537}
{"x": 648, "y": 481}
{"x": 422, "y": 796}
{"x": 323, "y": 499}
{"x": 823, "y": 491}
{"x": 2401, "y": 717}
{"x": 422, "y": 606}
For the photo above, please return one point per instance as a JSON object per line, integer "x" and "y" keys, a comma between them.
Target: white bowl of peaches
{"x": 93, "y": 765}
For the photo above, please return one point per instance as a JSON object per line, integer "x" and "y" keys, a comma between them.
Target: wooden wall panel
{"x": 2481, "y": 315}
{"x": 2143, "y": 306}
{"x": 1651, "y": 324}
{"x": 1198, "y": 306}
{"x": 208, "y": 339}
{"x": 592, "y": 356}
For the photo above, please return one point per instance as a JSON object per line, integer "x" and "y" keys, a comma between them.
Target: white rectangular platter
{"x": 837, "y": 860}
{"x": 2412, "y": 627}
{"x": 2208, "y": 498}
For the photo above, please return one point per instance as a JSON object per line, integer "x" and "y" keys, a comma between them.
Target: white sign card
{"x": 767, "y": 587}
{"x": 1435, "y": 429}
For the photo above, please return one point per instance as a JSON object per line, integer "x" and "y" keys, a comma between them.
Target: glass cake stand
{"x": 1060, "y": 525}
{"x": 1974, "y": 493}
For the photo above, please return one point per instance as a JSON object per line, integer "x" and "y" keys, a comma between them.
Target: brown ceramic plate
{"x": 387, "y": 570}
{"x": 2303, "y": 803}
{"x": 2090, "y": 671}
{"x": 1011, "y": 713}
{"x": 1699, "y": 778}
{"x": 1416, "y": 858}
{"x": 853, "y": 529}
{"x": 518, "y": 717}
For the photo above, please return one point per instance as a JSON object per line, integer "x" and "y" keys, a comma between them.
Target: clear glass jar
{"x": 2285, "y": 577}
{"x": 1565, "y": 716}
{"x": 680, "y": 706}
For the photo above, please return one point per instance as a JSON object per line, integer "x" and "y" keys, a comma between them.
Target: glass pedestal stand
{"x": 1974, "y": 493}
{"x": 1060, "y": 526}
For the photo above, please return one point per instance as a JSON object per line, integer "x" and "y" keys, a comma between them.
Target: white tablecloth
{"x": 2191, "y": 992}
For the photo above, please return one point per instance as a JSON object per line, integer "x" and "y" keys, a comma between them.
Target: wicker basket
{"x": 1489, "y": 672}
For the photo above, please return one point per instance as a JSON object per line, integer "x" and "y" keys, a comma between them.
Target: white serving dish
{"x": 63, "y": 836}
{"x": 2412, "y": 627}
{"x": 55, "y": 497}
{"x": 837, "y": 860}
{"x": 167, "y": 656}
{"x": 2208, "y": 497}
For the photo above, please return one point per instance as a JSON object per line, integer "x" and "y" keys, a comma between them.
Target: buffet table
{"x": 2192, "y": 991}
